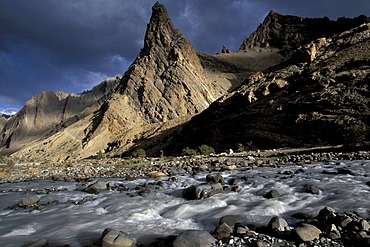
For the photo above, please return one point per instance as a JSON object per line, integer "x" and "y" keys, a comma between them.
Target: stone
{"x": 40, "y": 243}
{"x": 365, "y": 225}
{"x": 278, "y": 224}
{"x": 28, "y": 202}
{"x": 231, "y": 220}
{"x": 312, "y": 189}
{"x": 327, "y": 213}
{"x": 223, "y": 230}
{"x": 157, "y": 174}
{"x": 307, "y": 232}
{"x": 271, "y": 194}
{"x": 194, "y": 238}
{"x": 96, "y": 187}
{"x": 218, "y": 178}
{"x": 113, "y": 238}
{"x": 202, "y": 191}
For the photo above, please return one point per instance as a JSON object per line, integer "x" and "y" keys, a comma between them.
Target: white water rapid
{"x": 164, "y": 211}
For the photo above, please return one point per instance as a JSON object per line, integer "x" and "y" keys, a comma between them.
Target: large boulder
{"x": 194, "y": 238}
{"x": 278, "y": 224}
{"x": 113, "y": 238}
{"x": 307, "y": 232}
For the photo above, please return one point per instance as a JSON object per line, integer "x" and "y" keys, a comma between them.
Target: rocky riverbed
{"x": 317, "y": 199}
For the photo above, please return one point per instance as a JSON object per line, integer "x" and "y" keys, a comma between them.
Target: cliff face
{"x": 288, "y": 32}
{"x": 324, "y": 101}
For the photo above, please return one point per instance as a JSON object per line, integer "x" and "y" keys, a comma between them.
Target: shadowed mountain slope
{"x": 326, "y": 101}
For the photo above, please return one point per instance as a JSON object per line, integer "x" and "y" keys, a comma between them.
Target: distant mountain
{"x": 303, "y": 103}
{"x": 48, "y": 113}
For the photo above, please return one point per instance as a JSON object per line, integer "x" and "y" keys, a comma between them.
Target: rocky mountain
{"x": 308, "y": 96}
{"x": 49, "y": 112}
{"x": 165, "y": 85}
{"x": 320, "y": 101}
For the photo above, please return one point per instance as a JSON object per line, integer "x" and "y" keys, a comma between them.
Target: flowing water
{"x": 164, "y": 212}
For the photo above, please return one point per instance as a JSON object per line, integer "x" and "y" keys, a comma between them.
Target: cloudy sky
{"x": 72, "y": 45}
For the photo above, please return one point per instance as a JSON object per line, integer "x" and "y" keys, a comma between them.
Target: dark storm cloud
{"x": 72, "y": 45}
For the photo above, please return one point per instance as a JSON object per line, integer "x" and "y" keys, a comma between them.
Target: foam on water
{"x": 165, "y": 212}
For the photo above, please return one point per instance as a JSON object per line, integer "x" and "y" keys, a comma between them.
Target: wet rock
{"x": 40, "y": 243}
{"x": 114, "y": 238}
{"x": 278, "y": 224}
{"x": 222, "y": 231}
{"x": 231, "y": 220}
{"x": 312, "y": 189}
{"x": 218, "y": 178}
{"x": 28, "y": 202}
{"x": 194, "y": 238}
{"x": 326, "y": 214}
{"x": 96, "y": 187}
{"x": 202, "y": 191}
{"x": 271, "y": 194}
{"x": 344, "y": 171}
{"x": 307, "y": 232}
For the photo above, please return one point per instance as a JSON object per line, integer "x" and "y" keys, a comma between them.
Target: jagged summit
{"x": 167, "y": 79}
{"x": 160, "y": 28}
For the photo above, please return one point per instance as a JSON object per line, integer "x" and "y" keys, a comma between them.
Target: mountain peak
{"x": 160, "y": 29}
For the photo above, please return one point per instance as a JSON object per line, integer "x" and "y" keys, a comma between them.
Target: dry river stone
{"x": 278, "y": 224}
{"x": 307, "y": 232}
{"x": 194, "y": 238}
{"x": 114, "y": 238}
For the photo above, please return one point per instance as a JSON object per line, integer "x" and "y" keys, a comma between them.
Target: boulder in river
{"x": 96, "y": 187}
{"x": 202, "y": 191}
{"x": 28, "y": 202}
